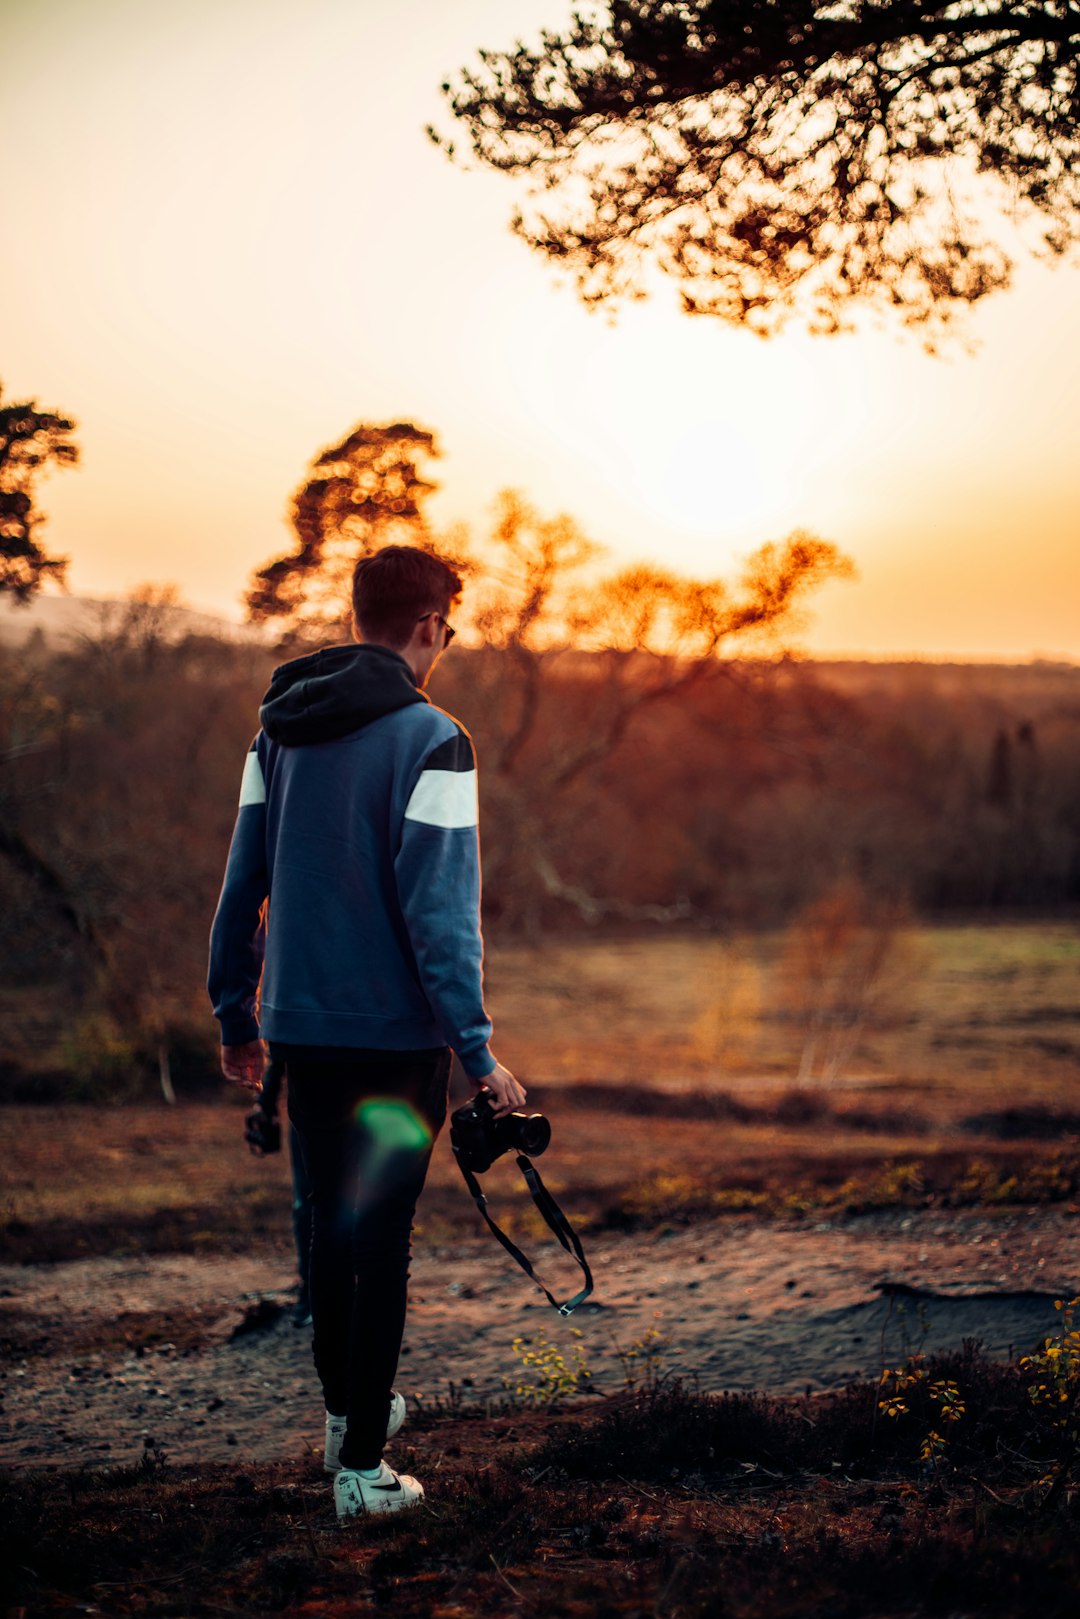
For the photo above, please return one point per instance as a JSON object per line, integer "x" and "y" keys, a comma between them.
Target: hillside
{"x": 62, "y": 620}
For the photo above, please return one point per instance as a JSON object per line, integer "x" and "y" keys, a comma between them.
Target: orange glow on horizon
{"x": 226, "y": 256}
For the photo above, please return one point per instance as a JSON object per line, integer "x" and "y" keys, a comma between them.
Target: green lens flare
{"x": 393, "y": 1126}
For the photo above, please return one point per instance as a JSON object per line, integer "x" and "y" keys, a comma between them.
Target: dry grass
{"x": 661, "y": 1503}
{"x": 960, "y": 1018}
{"x": 975, "y": 1014}
{"x": 82, "y": 1181}
{"x": 650, "y": 1119}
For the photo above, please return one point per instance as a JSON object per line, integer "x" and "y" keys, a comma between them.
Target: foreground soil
{"x": 197, "y": 1357}
{"x": 663, "y": 1503}
{"x": 160, "y": 1426}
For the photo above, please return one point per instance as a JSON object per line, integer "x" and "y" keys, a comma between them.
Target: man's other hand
{"x": 506, "y": 1090}
{"x": 244, "y": 1064}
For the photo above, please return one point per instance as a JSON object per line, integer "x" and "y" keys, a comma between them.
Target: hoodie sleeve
{"x": 438, "y": 878}
{"x": 237, "y": 935}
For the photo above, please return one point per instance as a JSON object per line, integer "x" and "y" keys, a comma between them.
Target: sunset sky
{"x": 228, "y": 240}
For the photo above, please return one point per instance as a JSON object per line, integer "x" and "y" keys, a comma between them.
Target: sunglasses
{"x": 449, "y": 628}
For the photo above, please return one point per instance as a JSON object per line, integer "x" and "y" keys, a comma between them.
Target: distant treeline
{"x": 744, "y": 797}
{"x": 615, "y": 791}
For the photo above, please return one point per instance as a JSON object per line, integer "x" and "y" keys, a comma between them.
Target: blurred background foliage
{"x": 651, "y": 758}
{"x": 771, "y": 790}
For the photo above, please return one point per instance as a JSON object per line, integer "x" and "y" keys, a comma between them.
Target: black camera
{"x": 478, "y": 1137}
{"x": 262, "y": 1132}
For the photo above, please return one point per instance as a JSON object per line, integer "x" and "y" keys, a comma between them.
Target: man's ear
{"x": 429, "y": 629}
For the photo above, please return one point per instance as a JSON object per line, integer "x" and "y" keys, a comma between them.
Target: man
{"x": 358, "y": 823}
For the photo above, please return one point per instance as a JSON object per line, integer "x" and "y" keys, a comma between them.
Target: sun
{"x": 709, "y": 481}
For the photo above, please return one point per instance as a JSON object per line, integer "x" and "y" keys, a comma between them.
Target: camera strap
{"x": 555, "y": 1219}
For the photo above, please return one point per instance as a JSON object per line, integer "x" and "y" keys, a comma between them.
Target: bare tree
{"x": 582, "y": 655}
{"x": 652, "y": 634}
{"x": 787, "y": 155}
{"x": 115, "y": 811}
{"x": 848, "y": 963}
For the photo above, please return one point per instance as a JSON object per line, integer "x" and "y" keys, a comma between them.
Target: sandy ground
{"x": 739, "y": 1304}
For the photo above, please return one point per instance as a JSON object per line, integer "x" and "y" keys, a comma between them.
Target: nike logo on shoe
{"x": 390, "y": 1489}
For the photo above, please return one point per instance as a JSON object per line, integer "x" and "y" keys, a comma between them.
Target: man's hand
{"x": 506, "y": 1090}
{"x": 244, "y": 1064}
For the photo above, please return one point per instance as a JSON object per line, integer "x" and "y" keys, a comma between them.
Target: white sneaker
{"x": 390, "y": 1492}
{"x": 335, "y": 1431}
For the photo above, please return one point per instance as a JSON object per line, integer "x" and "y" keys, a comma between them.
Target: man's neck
{"x": 409, "y": 655}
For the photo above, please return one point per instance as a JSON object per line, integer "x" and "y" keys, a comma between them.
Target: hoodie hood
{"x": 329, "y": 694}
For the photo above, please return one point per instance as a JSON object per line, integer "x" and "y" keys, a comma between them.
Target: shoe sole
{"x": 366, "y": 1511}
{"x": 387, "y": 1503}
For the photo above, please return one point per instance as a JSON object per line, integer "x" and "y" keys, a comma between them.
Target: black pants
{"x": 366, "y": 1121}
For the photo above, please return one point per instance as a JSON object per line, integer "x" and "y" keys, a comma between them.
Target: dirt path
{"x": 740, "y": 1304}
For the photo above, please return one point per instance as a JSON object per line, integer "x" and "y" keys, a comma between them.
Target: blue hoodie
{"x": 358, "y": 822}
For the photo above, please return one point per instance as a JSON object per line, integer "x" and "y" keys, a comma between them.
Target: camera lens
{"x": 533, "y": 1133}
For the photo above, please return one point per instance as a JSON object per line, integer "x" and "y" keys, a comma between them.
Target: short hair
{"x": 394, "y": 587}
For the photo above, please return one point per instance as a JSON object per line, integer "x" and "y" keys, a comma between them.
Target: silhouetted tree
{"x": 774, "y": 155}
{"x": 536, "y": 598}
{"x": 642, "y": 638}
{"x": 30, "y": 439}
{"x": 362, "y": 493}
{"x": 658, "y": 633}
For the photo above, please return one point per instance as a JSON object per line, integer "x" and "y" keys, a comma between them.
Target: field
{"x": 787, "y": 1238}
{"x": 957, "y": 1016}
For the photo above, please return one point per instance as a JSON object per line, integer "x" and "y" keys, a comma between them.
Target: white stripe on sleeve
{"x": 445, "y": 798}
{"x": 252, "y": 786}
